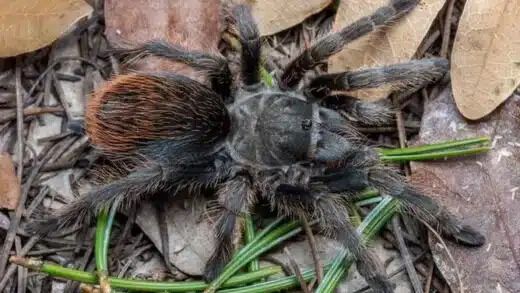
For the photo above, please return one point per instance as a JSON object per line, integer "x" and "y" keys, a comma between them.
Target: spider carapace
{"x": 296, "y": 146}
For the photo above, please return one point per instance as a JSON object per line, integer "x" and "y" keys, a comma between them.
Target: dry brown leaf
{"x": 485, "y": 63}
{"x": 9, "y": 184}
{"x": 27, "y": 25}
{"x": 273, "y": 16}
{"x": 393, "y": 44}
{"x": 194, "y": 24}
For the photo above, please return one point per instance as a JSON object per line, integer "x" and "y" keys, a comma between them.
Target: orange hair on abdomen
{"x": 132, "y": 110}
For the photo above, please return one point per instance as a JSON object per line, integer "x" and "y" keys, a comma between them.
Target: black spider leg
{"x": 333, "y": 43}
{"x": 158, "y": 176}
{"x": 332, "y": 215}
{"x": 235, "y": 196}
{"x": 82, "y": 210}
{"x": 410, "y": 75}
{"x": 372, "y": 174}
{"x": 251, "y": 44}
{"x": 215, "y": 66}
{"x": 407, "y": 77}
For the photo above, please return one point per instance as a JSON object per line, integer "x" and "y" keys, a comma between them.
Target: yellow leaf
{"x": 393, "y": 44}
{"x": 27, "y": 25}
{"x": 485, "y": 63}
{"x": 273, "y": 16}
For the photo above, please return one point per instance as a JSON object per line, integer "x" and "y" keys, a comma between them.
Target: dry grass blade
{"x": 486, "y": 56}
{"x": 397, "y": 43}
{"x": 27, "y": 25}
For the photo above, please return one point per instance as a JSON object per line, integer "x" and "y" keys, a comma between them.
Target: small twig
{"x": 405, "y": 254}
{"x": 49, "y": 251}
{"x": 71, "y": 286}
{"x": 36, "y": 201}
{"x": 296, "y": 271}
{"x": 438, "y": 284}
{"x": 397, "y": 271}
{"x": 12, "y": 267}
{"x": 22, "y": 272}
{"x": 312, "y": 243}
{"x": 56, "y": 62}
{"x": 401, "y": 131}
{"x": 15, "y": 220}
{"x": 31, "y": 112}
{"x": 450, "y": 256}
{"x": 131, "y": 258}
{"x": 124, "y": 234}
{"x": 429, "y": 278}
{"x": 60, "y": 95}
{"x": 428, "y": 43}
{"x": 19, "y": 121}
{"x": 447, "y": 30}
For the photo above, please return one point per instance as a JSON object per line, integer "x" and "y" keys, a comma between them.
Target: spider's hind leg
{"x": 333, "y": 219}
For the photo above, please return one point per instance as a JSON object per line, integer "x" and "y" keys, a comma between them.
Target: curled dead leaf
{"x": 394, "y": 44}
{"x": 485, "y": 61}
{"x": 273, "y": 16}
{"x": 9, "y": 184}
{"x": 27, "y": 25}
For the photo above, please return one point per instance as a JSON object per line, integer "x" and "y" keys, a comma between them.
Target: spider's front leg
{"x": 411, "y": 75}
{"x": 369, "y": 172}
{"x": 408, "y": 77}
{"x": 316, "y": 203}
{"x": 333, "y": 43}
{"x": 235, "y": 197}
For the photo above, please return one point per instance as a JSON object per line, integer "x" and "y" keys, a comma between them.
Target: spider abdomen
{"x": 135, "y": 110}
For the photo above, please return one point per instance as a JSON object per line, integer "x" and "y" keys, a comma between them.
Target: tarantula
{"x": 298, "y": 149}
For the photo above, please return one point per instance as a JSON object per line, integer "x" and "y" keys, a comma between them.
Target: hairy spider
{"x": 298, "y": 149}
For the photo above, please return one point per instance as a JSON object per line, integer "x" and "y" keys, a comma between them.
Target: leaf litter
{"x": 486, "y": 56}
{"x": 27, "y": 25}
